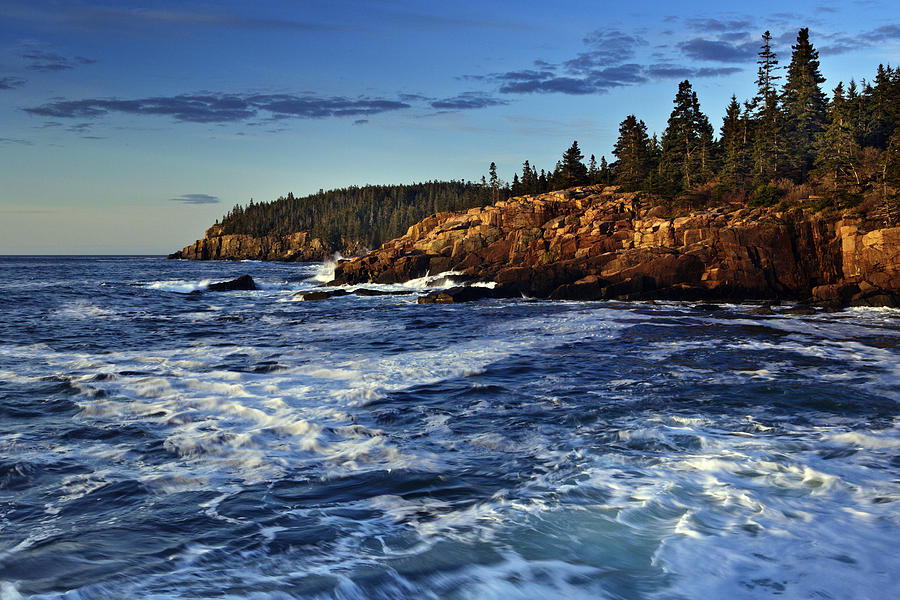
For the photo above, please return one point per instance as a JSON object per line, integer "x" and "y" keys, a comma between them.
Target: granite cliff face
{"x": 292, "y": 247}
{"x": 596, "y": 243}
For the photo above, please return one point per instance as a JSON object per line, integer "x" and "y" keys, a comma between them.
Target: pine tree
{"x": 632, "y": 152}
{"x": 836, "y": 148}
{"x": 572, "y": 171}
{"x": 494, "y": 182}
{"x": 804, "y": 105}
{"x": 529, "y": 179}
{"x": 605, "y": 175}
{"x": 735, "y": 154}
{"x": 686, "y": 142}
{"x": 767, "y": 149}
{"x": 593, "y": 171}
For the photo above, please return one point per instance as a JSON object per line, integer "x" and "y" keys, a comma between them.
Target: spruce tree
{"x": 494, "y": 182}
{"x": 571, "y": 171}
{"x": 632, "y": 152}
{"x": 604, "y": 171}
{"x": 836, "y": 149}
{"x": 735, "y": 154}
{"x": 686, "y": 142}
{"x": 804, "y": 105}
{"x": 767, "y": 149}
{"x": 593, "y": 171}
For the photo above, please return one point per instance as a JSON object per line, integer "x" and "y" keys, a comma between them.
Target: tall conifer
{"x": 804, "y": 105}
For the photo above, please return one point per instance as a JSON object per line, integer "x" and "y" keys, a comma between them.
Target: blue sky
{"x": 130, "y": 127}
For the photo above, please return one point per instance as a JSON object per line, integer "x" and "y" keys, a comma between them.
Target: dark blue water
{"x": 161, "y": 444}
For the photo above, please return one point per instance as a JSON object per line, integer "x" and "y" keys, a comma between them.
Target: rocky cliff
{"x": 597, "y": 243}
{"x": 299, "y": 246}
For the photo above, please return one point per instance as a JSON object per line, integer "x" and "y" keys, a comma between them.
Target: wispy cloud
{"x": 611, "y": 61}
{"x": 719, "y": 50}
{"x": 468, "y": 101}
{"x": 220, "y": 108}
{"x": 11, "y": 83}
{"x": 21, "y": 142}
{"x": 196, "y": 199}
{"x": 39, "y": 60}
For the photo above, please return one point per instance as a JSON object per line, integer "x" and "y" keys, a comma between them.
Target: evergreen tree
{"x": 734, "y": 149}
{"x": 572, "y": 171}
{"x": 767, "y": 149}
{"x": 593, "y": 171}
{"x": 804, "y": 105}
{"x": 836, "y": 149}
{"x": 605, "y": 175}
{"x": 632, "y": 152}
{"x": 529, "y": 179}
{"x": 884, "y": 106}
{"x": 686, "y": 142}
{"x": 494, "y": 182}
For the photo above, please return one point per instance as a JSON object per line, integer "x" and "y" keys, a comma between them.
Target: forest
{"x": 789, "y": 144}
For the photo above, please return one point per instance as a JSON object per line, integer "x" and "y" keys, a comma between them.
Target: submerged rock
{"x": 371, "y": 292}
{"x": 244, "y": 282}
{"x": 321, "y": 294}
{"x": 458, "y": 294}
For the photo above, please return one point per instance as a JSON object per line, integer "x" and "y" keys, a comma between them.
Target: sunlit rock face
{"x": 598, "y": 243}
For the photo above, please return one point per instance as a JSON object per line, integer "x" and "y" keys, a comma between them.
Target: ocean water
{"x": 160, "y": 444}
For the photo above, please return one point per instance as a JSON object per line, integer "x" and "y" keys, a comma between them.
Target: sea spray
{"x": 325, "y": 272}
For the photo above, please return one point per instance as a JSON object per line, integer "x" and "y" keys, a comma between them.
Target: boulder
{"x": 244, "y": 282}
{"x": 458, "y": 294}
{"x": 321, "y": 294}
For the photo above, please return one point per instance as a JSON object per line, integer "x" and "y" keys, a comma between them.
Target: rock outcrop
{"x": 299, "y": 246}
{"x": 242, "y": 283}
{"x": 596, "y": 243}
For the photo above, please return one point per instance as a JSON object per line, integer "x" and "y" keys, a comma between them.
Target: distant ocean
{"x": 160, "y": 444}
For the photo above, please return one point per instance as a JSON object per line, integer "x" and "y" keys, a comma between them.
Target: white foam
{"x": 325, "y": 272}
{"x": 180, "y": 285}
{"x": 8, "y": 591}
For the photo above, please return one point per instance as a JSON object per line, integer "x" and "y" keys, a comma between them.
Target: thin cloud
{"x": 719, "y": 25}
{"x": 719, "y": 50}
{"x": 196, "y": 199}
{"x": 21, "y": 142}
{"x": 468, "y": 101}
{"x": 219, "y": 107}
{"x": 360, "y": 121}
{"x": 885, "y": 32}
{"x": 11, "y": 83}
{"x": 49, "y": 61}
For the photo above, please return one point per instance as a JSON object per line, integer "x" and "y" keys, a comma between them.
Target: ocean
{"x": 158, "y": 443}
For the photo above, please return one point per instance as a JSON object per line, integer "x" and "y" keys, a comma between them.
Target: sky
{"x": 130, "y": 127}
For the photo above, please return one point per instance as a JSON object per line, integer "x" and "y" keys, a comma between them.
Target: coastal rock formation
{"x": 597, "y": 243}
{"x": 299, "y": 246}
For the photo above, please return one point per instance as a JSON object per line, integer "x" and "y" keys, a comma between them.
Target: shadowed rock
{"x": 244, "y": 282}
{"x": 321, "y": 294}
{"x": 459, "y": 294}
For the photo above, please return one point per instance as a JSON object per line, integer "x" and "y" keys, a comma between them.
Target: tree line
{"x": 367, "y": 215}
{"x": 846, "y": 147}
